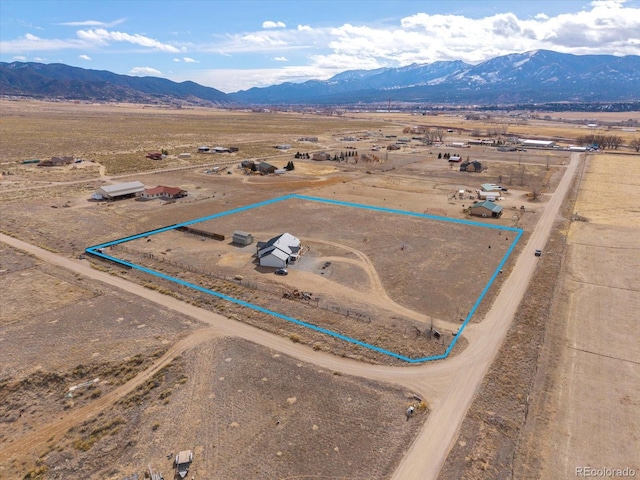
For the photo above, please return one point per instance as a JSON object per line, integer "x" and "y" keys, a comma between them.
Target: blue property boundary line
{"x": 98, "y": 251}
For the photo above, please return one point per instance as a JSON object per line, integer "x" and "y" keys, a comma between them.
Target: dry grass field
{"x": 159, "y": 372}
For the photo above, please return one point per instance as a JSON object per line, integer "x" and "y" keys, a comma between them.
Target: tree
{"x": 635, "y": 144}
{"x": 439, "y": 155}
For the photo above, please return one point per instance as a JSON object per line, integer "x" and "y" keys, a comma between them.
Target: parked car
{"x": 281, "y": 271}
{"x": 538, "y": 253}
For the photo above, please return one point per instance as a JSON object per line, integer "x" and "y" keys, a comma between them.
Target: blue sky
{"x": 235, "y": 45}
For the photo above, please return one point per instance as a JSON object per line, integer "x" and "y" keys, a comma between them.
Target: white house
{"x": 278, "y": 251}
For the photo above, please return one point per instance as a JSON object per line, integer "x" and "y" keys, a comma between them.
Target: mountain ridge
{"x": 538, "y": 76}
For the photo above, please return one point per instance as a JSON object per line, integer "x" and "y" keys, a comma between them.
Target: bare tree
{"x": 536, "y": 189}
{"x": 635, "y": 144}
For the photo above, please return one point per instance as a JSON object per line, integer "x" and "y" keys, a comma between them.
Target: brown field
{"x": 172, "y": 375}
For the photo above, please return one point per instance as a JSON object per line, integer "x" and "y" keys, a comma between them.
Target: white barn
{"x": 119, "y": 190}
{"x": 278, "y": 251}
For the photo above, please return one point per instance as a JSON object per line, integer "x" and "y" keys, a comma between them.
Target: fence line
{"x": 345, "y": 312}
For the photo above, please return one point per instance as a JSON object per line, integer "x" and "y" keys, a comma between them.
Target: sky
{"x": 236, "y": 45}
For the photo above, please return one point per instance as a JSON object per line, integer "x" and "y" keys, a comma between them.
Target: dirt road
{"x": 449, "y": 386}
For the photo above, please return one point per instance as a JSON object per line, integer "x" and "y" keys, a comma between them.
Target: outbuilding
{"x": 119, "y": 191}
{"x": 264, "y": 168}
{"x": 242, "y": 238}
{"x": 486, "y": 209}
{"x": 537, "y": 143}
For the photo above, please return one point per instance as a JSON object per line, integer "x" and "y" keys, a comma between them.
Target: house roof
{"x": 494, "y": 207}
{"x": 490, "y": 187}
{"x": 285, "y": 242}
{"x": 123, "y": 188}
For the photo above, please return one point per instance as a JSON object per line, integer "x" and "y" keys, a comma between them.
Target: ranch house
{"x": 486, "y": 209}
{"x": 278, "y": 251}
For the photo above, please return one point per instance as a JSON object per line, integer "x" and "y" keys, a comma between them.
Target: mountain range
{"x": 533, "y": 77}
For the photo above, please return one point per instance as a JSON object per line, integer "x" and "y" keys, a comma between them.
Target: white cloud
{"x": 304, "y": 28}
{"x": 281, "y": 59}
{"x": 176, "y": 59}
{"x": 19, "y": 58}
{"x": 190, "y": 60}
{"x": 101, "y": 36}
{"x": 32, "y": 43}
{"x": 145, "y": 72}
{"x": 92, "y": 23}
{"x": 84, "y": 57}
{"x": 270, "y": 24}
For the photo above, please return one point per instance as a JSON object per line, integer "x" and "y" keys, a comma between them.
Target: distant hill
{"x": 532, "y": 77}
{"x": 57, "y": 80}
{"x": 539, "y": 76}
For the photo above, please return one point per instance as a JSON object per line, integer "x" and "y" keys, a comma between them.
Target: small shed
{"x": 249, "y": 164}
{"x": 242, "y": 238}
{"x": 486, "y": 209}
{"x": 204, "y": 149}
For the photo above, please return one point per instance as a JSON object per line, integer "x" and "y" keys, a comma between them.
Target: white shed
{"x": 119, "y": 190}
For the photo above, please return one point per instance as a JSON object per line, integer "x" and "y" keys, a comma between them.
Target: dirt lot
{"x": 62, "y": 329}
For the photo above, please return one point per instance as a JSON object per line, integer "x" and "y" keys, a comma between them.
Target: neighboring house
{"x": 278, "y": 251}
{"x": 491, "y": 187}
{"x": 204, "y": 149}
{"x": 486, "y": 209}
{"x": 284, "y": 146}
{"x": 491, "y": 196}
{"x": 455, "y": 158}
{"x": 321, "y": 156}
{"x": 242, "y": 238}
{"x": 163, "y": 192}
{"x": 154, "y": 155}
{"x": 118, "y": 191}
{"x": 308, "y": 139}
{"x": 247, "y": 164}
{"x": 471, "y": 166}
{"x": 264, "y": 168}
{"x": 56, "y": 162}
